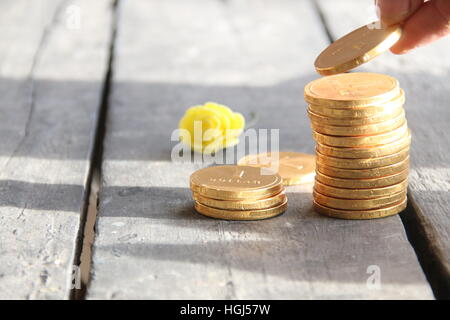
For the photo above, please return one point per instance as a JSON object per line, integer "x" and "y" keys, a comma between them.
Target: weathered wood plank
{"x": 425, "y": 76}
{"x": 252, "y": 56}
{"x": 51, "y": 73}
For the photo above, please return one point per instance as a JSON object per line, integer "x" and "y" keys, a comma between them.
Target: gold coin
{"x": 362, "y": 141}
{"x": 363, "y": 173}
{"x": 360, "y": 193}
{"x": 249, "y": 204}
{"x": 362, "y": 183}
{"x": 358, "y": 204}
{"x": 361, "y": 214}
{"x": 360, "y": 130}
{"x": 235, "y": 182}
{"x": 356, "y": 48}
{"x": 366, "y": 112}
{"x": 256, "y": 214}
{"x": 379, "y": 117}
{"x": 363, "y": 163}
{"x": 366, "y": 152}
{"x": 293, "y": 167}
{"x": 349, "y": 90}
{"x": 378, "y": 110}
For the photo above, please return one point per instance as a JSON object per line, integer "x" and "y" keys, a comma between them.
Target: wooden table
{"x": 91, "y": 86}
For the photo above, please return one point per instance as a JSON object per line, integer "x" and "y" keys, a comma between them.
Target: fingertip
{"x": 398, "y": 50}
{"x": 425, "y": 26}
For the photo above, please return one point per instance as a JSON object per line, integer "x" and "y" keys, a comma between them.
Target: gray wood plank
{"x": 425, "y": 76}
{"x": 150, "y": 243}
{"x": 51, "y": 75}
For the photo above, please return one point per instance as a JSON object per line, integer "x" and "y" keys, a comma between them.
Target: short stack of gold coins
{"x": 362, "y": 145}
{"x": 238, "y": 192}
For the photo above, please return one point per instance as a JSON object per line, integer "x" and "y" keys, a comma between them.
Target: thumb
{"x": 429, "y": 23}
{"x": 395, "y": 11}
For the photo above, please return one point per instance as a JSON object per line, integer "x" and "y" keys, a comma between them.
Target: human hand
{"x": 423, "y": 21}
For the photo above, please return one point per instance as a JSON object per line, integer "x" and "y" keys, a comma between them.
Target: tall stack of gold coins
{"x": 238, "y": 193}
{"x": 362, "y": 145}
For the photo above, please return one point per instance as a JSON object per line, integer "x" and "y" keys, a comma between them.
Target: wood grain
{"x": 255, "y": 56}
{"x": 424, "y": 74}
{"x": 51, "y": 75}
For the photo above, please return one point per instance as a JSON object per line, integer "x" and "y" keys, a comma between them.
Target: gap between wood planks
{"x": 86, "y": 236}
{"x": 429, "y": 258}
{"x": 431, "y": 262}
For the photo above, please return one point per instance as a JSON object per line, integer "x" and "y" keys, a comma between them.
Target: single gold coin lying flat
{"x": 366, "y": 152}
{"x": 362, "y": 183}
{"x": 293, "y": 167}
{"x": 358, "y": 204}
{"x": 350, "y": 131}
{"x": 356, "y": 48}
{"x": 257, "y": 214}
{"x": 378, "y": 118}
{"x": 360, "y": 193}
{"x": 249, "y": 204}
{"x": 235, "y": 182}
{"x": 363, "y": 163}
{"x": 349, "y": 90}
{"x": 361, "y": 141}
{"x": 361, "y": 214}
{"x": 363, "y": 173}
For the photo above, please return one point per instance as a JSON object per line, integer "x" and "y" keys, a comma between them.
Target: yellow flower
{"x": 210, "y": 127}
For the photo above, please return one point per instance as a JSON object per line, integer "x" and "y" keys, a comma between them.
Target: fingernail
{"x": 399, "y": 51}
{"x": 399, "y": 7}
